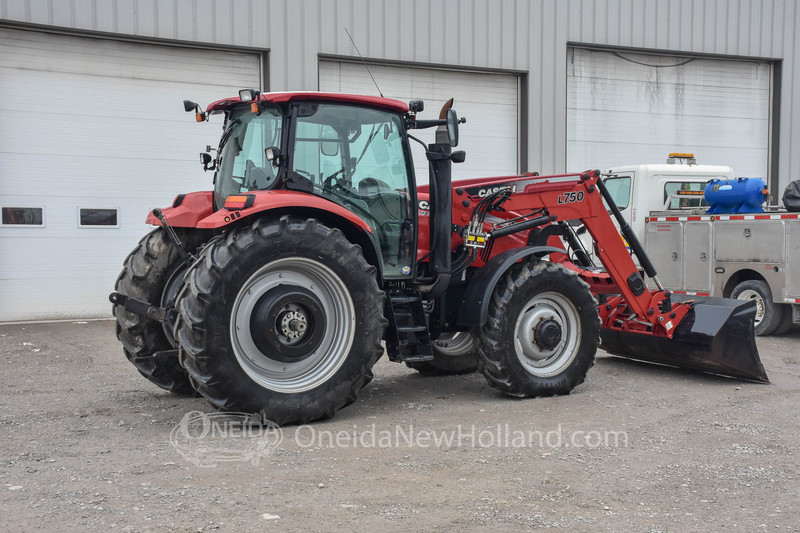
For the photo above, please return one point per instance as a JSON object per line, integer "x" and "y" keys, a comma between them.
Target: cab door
{"x": 357, "y": 157}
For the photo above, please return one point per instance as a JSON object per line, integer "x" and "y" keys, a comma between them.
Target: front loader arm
{"x": 578, "y": 197}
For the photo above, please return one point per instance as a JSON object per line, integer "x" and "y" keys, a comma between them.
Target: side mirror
{"x": 452, "y": 127}
{"x": 190, "y": 106}
{"x": 273, "y": 154}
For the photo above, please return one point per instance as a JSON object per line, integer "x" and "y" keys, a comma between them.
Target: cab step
{"x": 407, "y": 338}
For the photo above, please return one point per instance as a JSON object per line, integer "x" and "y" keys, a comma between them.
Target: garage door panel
{"x": 623, "y": 112}
{"x": 488, "y": 101}
{"x": 20, "y": 49}
{"x": 601, "y": 64}
{"x": 712, "y": 101}
{"x": 110, "y": 177}
{"x": 625, "y": 127}
{"x": 96, "y": 124}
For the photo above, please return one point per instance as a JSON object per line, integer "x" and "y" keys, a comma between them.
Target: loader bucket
{"x": 716, "y": 336}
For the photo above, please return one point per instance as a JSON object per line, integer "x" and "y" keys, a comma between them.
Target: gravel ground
{"x": 88, "y": 444}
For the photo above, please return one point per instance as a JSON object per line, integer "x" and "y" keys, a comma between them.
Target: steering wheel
{"x": 329, "y": 179}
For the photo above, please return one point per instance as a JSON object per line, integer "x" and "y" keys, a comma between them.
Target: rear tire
{"x": 153, "y": 272}
{"x": 282, "y": 317}
{"x": 453, "y": 353}
{"x": 542, "y": 331}
{"x": 768, "y": 313}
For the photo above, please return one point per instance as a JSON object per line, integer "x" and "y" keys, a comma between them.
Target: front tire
{"x": 453, "y": 353}
{"x": 542, "y": 332}
{"x": 768, "y": 313}
{"x": 283, "y": 317}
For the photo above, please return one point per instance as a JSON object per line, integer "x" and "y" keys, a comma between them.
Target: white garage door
{"x": 98, "y": 126}
{"x": 487, "y": 101}
{"x": 627, "y": 108}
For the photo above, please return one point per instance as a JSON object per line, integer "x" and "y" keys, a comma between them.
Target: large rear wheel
{"x": 283, "y": 317}
{"x": 542, "y": 332}
{"x": 153, "y": 272}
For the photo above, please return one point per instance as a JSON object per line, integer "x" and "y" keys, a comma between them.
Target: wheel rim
{"x": 454, "y": 344}
{"x": 750, "y": 294}
{"x": 547, "y": 334}
{"x": 292, "y": 325}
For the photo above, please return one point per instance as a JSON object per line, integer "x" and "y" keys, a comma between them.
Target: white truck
{"x": 738, "y": 255}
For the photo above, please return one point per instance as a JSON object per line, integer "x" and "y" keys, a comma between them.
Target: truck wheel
{"x": 768, "y": 315}
{"x": 281, "y": 317}
{"x": 153, "y": 271}
{"x": 453, "y": 353}
{"x": 542, "y": 332}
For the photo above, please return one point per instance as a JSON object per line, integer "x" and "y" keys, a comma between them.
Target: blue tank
{"x": 740, "y": 195}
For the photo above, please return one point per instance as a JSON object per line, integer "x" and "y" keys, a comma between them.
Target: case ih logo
{"x": 483, "y": 192}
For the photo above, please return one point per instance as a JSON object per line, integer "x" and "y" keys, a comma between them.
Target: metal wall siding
{"x": 522, "y": 35}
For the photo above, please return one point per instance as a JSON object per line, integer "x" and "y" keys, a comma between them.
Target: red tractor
{"x": 276, "y": 291}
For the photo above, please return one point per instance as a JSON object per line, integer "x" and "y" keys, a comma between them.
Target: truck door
{"x": 621, "y": 188}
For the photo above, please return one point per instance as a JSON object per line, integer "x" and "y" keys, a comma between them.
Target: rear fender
{"x": 275, "y": 204}
{"x": 474, "y": 302}
{"x": 276, "y": 200}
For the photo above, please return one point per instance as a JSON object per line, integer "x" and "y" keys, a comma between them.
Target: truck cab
{"x": 640, "y": 190}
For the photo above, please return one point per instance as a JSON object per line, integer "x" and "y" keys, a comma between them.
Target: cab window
{"x": 619, "y": 187}
{"x": 673, "y": 187}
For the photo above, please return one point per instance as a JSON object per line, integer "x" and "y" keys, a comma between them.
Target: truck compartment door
{"x": 793, "y": 265}
{"x": 664, "y": 246}
{"x": 697, "y": 256}
{"x": 749, "y": 241}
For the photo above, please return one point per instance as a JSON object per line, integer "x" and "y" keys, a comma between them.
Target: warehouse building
{"x": 94, "y": 135}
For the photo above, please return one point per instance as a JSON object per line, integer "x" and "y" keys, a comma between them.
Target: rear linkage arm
{"x": 165, "y": 315}
{"x": 139, "y": 307}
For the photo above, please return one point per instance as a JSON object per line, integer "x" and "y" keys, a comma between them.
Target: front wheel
{"x": 542, "y": 332}
{"x": 283, "y": 317}
{"x": 453, "y": 353}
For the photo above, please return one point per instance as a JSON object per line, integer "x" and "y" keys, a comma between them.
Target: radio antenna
{"x": 364, "y": 62}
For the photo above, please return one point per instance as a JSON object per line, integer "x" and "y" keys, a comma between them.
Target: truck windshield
{"x": 243, "y": 165}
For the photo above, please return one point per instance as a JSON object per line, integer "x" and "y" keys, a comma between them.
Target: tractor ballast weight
{"x": 317, "y": 245}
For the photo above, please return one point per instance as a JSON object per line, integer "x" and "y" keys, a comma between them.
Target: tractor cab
{"x": 350, "y": 150}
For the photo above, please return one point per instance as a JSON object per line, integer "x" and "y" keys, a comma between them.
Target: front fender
{"x": 474, "y": 304}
